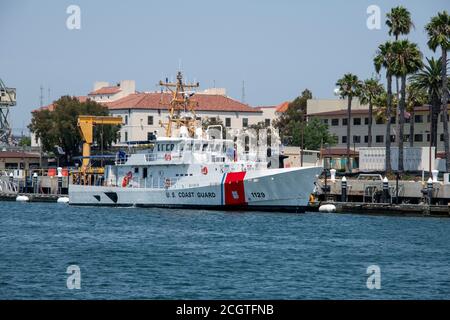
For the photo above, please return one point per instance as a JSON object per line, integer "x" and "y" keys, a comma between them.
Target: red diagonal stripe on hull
{"x": 234, "y": 188}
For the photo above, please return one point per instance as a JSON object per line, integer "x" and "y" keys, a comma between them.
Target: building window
{"x": 392, "y": 120}
{"x": 418, "y": 118}
{"x": 366, "y": 121}
{"x": 227, "y": 122}
{"x": 150, "y": 120}
{"x": 344, "y": 139}
{"x": 428, "y": 137}
{"x": 325, "y": 121}
{"x": 441, "y": 137}
{"x": 334, "y": 122}
{"x": 126, "y": 119}
{"x": 344, "y": 121}
{"x": 379, "y": 121}
{"x": 126, "y": 136}
{"x": 150, "y": 136}
{"x": 356, "y": 139}
{"x": 245, "y": 122}
{"x": 406, "y": 138}
{"x": 267, "y": 122}
{"x": 392, "y": 137}
{"x": 356, "y": 121}
{"x": 418, "y": 138}
{"x": 366, "y": 138}
{"x": 428, "y": 118}
{"x": 379, "y": 139}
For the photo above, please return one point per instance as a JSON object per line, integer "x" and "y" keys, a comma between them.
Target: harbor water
{"x": 195, "y": 254}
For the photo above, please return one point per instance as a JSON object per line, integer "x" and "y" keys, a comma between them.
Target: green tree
{"x": 385, "y": 59}
{"x": 407, "y": 60}
{"x": 25, "y": 142}
{"x": 59, "y": 127}
{"x": 399, "y": 21}
{"x": 370, "y": 90}
{"x": 438, "y": 30}
{"x": 429, "y": 79}
{"x": 294, "y": 116}
{"x": 316, "y": 135}
{"x": 349, "y": 87}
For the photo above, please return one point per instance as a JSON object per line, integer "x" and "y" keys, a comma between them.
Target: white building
{"x": 334, "y": 114}
{"x": 142, "y": 112}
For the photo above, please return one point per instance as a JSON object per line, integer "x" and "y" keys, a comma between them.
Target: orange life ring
{"x": 167, "y": 157}
{"x": 205, "y": 170}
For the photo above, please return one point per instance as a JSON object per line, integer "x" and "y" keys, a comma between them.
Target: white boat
{"x": 190, "y": 169}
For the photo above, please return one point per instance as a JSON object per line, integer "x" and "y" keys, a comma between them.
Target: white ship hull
{"x": 272, "y": 189}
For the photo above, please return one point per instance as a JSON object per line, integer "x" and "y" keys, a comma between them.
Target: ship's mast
{"x": 181, "y": 108}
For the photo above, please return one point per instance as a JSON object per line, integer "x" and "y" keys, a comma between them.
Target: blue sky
{"x": 277, "y": 47}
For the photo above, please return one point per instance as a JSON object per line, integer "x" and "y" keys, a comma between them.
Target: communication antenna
{"x": 243, "y": 92}
{"x": 41, "y": 96}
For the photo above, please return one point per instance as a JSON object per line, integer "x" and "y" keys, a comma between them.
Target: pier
{"x": 37, "y": 185}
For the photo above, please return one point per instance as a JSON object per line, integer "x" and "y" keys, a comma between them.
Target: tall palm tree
{"x": 415, "y": 97}
{"x": 399, "y": 22}
{"x": 349, "y": 87}
{"x": 429, "y": 79}
{"x": 407, "y": 60}
{"x": 385, "y": 59}
{"x": 370, "y": 89}
{"x": 438, "y": 30}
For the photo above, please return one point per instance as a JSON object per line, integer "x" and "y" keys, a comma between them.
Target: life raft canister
{"x": 167, "y": 157}
{"x": 205, "y": 170}
{"x": 127, "y": 179}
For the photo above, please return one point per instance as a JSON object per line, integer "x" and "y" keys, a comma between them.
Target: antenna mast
{"x": 181, "y": 108}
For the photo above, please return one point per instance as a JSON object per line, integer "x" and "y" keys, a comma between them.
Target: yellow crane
{"x": 86, "y": 125}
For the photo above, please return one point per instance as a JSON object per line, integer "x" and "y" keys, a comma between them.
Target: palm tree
{"x": 370, "y": 89}
{"x": 385, "y": 59}
{"x": 399, "y": 22}
{"x": 349, "y": 87}
{"x": 438, "y": 30}
{"x": 429, "y": 79}
{"x": 407, "y": 60}
{"x": 415, "y": 97}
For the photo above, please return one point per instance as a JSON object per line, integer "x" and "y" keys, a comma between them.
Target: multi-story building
{"x": 334, "y": 114}
{"x": 143, "y": 112}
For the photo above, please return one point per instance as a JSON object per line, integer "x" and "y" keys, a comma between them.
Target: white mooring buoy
{"x": 22, "y": 199}
{"x": 63, "y": 200}
{"x": 327, "y": 208}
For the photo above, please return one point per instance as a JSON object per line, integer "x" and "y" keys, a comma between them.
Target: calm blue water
{"x": 188, "y": 254}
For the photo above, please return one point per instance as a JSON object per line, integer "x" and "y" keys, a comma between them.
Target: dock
{"x": 389, "y": 209}
{"x": 33, "y": 197}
